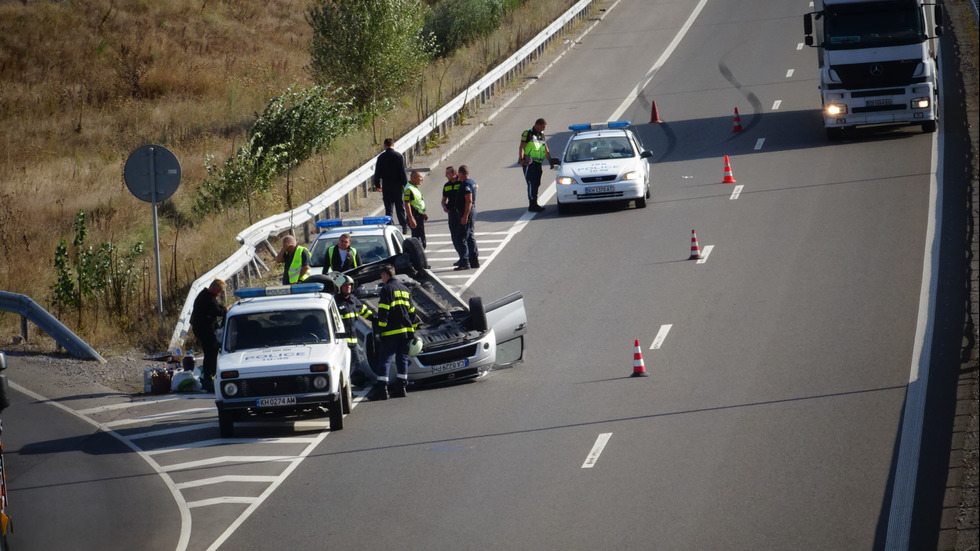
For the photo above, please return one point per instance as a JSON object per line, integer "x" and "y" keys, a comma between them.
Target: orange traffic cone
{"x": 638, "y": 369}
{"x": 737, "y": 122}
{"x": 654, "y": 115}
{"x": 729, "y": 177}
{"x": 695, "y": 249}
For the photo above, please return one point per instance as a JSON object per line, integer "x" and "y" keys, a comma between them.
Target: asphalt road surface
{"x": 779, "y": 364}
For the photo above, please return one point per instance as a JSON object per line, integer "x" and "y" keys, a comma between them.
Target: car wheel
{"x": 336, "y": 411}
{"x": 416, "y": 254}
{"x": 478, "y": 315}
{"x": 640, "y": 202}
{"x": 226, "y": 424}
{"x": 835, "y": 134}
{"x": 328, "y": 284}
{"x": 346, "y": 397}
{"x": 563, "y": 208}
{"x": 929, "y": 127}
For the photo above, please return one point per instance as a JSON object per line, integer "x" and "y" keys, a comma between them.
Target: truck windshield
{"x": 872, "y": 24}
{"x": 281, "y": 328}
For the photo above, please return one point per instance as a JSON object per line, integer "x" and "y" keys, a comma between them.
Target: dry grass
{"x": 82, "y": 84}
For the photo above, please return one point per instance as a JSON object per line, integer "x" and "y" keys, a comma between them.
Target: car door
{"x": 509, "y": 322}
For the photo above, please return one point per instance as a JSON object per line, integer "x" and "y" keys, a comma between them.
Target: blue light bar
{"x": 599, "y": 125}
{"x": 366, "y": 221}
{"x": 277, "y": 290}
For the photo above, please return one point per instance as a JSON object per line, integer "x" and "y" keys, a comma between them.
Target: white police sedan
{"x": 374, "y": 237}
{"x": 603, "y": 162}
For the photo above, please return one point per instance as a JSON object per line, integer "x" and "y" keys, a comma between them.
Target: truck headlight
{"x": 230, "y": 389}
{"x": 920, "y": 103}
{"x": 565, "y": 181}
{"x": 320, "y": 382}
{"x": 632, "y": 175}
{"x": 834, "y": 109}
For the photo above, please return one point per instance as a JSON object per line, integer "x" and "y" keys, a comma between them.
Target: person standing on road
{"x": 351, "y": 307}
{"x": 415, "y": 206}
{"x": 389, "y": 178}
{"x": 295, "y": 261}
{"x": 396, "y": 322}
{"x": 449, "y": 207}
{"x": 533, "y": 152}
{"x": 465, "y": 204}
{"x": 205, "y": 319}
{"x": 342, "y": 257}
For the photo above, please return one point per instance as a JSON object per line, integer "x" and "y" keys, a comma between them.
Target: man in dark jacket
{"x": 205, "y": 318}
{"x": 396, "y": 328}
{"x": 350, "y": 308}
{"x": 342, "y": 257}
{"x": 389, "y": 177}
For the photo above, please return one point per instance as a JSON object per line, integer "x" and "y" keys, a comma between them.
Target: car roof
{"x": 303, "y": 301}
{"x": 604, "y": 133}
{"x": 354, "y": 231}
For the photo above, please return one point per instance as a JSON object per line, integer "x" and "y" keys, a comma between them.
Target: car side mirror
{"x": 646, "y": 154}
{"x": 555, "y": 161}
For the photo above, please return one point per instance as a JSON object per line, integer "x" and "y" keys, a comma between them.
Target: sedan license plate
{"x": 451, "y": 366}
{"x": 875, "y": 102}
{"x": 276, "y": 401}
{"x": 598, "y": 189}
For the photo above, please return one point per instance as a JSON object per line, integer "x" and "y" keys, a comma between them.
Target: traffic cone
{"x": 654, "y": 115}
{"x": 638, "y": 369}
{"x": 695, "y": 249}
{"x": 729, "y": 177}
{"x": 737, "y": 122}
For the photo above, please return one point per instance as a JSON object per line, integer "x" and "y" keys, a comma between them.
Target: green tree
{"x": 455, "y": 23}
{"x": 374, "y": 48}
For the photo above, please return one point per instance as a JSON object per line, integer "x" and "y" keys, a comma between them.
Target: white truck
{"x": 877, "y": 62}
{"x": 284, "y": 355}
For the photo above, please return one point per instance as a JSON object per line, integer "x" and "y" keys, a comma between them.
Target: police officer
{"x": 396, "y": 325}
{"x": 295, "y": 261}
{"x": 464, "y": 207}
{"x": 449, "y": 206}
{"x": 531, "y": 155}
{"x": 415, "y": 206}
{"x": 342, "y": 257}
{"x": 350, "y": 307}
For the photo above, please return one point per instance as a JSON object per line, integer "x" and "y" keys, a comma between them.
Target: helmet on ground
{"x": 415, "y": 346}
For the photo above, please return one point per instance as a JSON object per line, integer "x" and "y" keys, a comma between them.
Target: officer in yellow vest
{"x": 415, "y": 206}
{"x": 531, "y": 155}
{"x": 295, "y": 260}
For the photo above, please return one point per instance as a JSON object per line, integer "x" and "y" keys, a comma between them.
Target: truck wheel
{"x": 336, "y": 411}
{"x": 226, "y": 424}
{"x": 328, "y": 284}
{"x": 345, "y": 397}
{"x": 835, "y": 134}
{"x": 416, "y": 254}
{"x": 929, "y": 127}
{"x": 478, "y": 315}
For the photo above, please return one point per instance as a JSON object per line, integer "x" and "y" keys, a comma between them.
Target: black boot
{"x": 379, "y": 392}
{"x": 400, "y": 389}
{"x": 535, "y": 207}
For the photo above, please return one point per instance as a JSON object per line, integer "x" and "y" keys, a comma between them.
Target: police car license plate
{"x": 874, "y": 102}
{"x": 277, "y": 401}
{"x": 451, "y": 366}
{"x": 598, "y": 189}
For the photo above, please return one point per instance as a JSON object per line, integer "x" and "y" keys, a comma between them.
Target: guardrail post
{"x": 23, "y": 327}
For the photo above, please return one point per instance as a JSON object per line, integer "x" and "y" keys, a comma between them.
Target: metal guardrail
{"x": 337, "y": 198}
{"x": 30, "y": 310}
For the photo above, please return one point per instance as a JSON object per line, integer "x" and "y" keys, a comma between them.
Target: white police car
{"x": 603, "y": 162}
{"x": 374, "y": 238}
{"x": 284, "y": 354}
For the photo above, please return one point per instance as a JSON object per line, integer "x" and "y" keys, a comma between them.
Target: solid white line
{"x": 661, "y": 335}
{"x": 225, "y": 478}
{"x": 910, "y": 442}
{"x": 221, "y": 501}
{"x": 789, "y": 73}
{"x": 635, "y": 92}
{"x": 593, "y": 456}
{"x": 225, "y": 459}
{"x": 100, "y": 409}
{"x": 736, "y": 192}
{"x": 225, "y": 441}
{"x": 776, "y": 104}
{"x": 704, "y": 253}
{"x": 165, "y": 432}
{"x": 157, "y": 417}
{"x": 759, "y": 142}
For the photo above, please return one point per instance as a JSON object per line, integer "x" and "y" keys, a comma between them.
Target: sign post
{"x": 152, "y": 174}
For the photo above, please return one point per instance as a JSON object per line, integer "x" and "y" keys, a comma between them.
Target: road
{"x": 778, "y": 366}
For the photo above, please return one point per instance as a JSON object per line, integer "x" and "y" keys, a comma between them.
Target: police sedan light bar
{"x": 366, "y": 221}
{"x": 277, "y": 290}
{"x": 599, "y": 125}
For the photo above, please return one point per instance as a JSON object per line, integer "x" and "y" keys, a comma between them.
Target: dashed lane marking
{"x": 600, "y": 444}
{"x": 658, "y": 341}
{"x": 736, "y": 192}
{"x": 704, "y": 254}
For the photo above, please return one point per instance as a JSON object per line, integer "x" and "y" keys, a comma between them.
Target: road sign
{"x": 152, "y": 166}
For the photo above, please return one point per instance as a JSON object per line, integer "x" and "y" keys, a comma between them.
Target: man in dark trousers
{"x": 389, "y": 177}
{"x": 532, "y": 154}
{"x": 350, "y": 308}
{"x": 464, "y": 201}
{"x": 449, "y": 206}
{"x": 396, "y": 328}
{"x": 205, "y": 317}
{"x": 415, "y": 206}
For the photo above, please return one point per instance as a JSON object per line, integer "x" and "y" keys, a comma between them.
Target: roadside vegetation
{"x": 246, "y": 93}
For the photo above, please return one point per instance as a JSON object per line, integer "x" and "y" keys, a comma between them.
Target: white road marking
{"x": 704, "y": 253}
{"x": 158, "y": 416}
{"x": 661, "y": 335}
{"x": 799, "y": 46}
{"x": 225, "y": 478}
{"x": 138, "y": 403}
{"x": 229, "y": 459}
{"x": 776, "y": 104}
{"x": 226, "y": 441}
{"x": 221, "y": 500}
{"x": 593, "y": 456}
{"x": 165, "y": 432}
{"x": 759, "y": 142}
{"x": 736, "y": 192}
{"x": 789, "y": 73}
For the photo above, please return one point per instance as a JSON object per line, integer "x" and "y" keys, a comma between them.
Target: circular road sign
{"x": 152, "y": 166}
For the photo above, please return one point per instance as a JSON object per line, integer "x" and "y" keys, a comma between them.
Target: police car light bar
{"x": 366, "y": 221}
{"x": 277, "y": 290}
{"x": 599, "y": 125}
